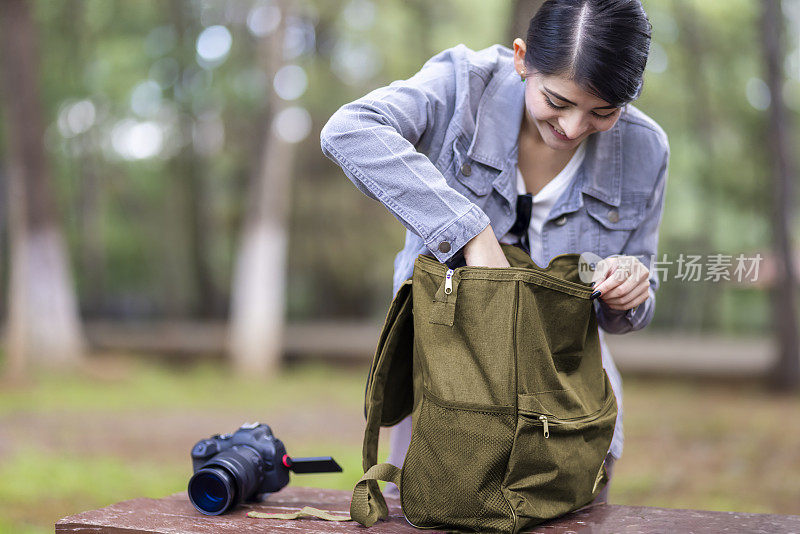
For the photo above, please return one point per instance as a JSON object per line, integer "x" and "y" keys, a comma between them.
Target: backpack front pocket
{"x": 556, "y": 459}
{"x": 464, "y": 333}
{"x": 454, "y": 467}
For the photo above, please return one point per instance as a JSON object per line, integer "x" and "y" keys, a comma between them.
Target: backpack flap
{"x": 393, "y": 360}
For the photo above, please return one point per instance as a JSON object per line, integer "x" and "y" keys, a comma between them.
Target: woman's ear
{"x": 519, "y": 55}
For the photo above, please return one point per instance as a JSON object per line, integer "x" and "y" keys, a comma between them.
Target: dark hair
{"x": 602, "y": 45}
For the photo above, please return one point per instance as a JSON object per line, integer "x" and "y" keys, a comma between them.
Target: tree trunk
{"x": 188, "y": 209}
{"x": 259, "y": 276}
{"x": 43, "y": 323}
{"x": 521, "y": 14}
{"x": 91, "y": 198}
{"x": 91, "y": 189}
{"x": 703, "y": 303}
{"x": 786, "y": 373}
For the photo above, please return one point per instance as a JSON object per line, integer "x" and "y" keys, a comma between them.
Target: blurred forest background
{"x": 164, "y": 194}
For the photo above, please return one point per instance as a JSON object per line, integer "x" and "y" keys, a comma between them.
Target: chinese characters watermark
{"x": 686, "y": 267}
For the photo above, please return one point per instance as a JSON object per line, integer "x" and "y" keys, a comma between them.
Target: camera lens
{"x": 211, "y": 490}
{"x": 227, "y": 478}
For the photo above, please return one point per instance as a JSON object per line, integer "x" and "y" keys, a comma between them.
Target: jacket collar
{"x": 498, "y": 119}
{"x": 495, "y": 143}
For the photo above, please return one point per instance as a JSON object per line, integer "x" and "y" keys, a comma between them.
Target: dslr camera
{"x": 233, "y": 468}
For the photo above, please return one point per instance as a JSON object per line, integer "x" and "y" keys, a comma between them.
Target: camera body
{"x": 255, "y": 436}
{"x": 238, "y": 467}
{"x": 231, "y": 468}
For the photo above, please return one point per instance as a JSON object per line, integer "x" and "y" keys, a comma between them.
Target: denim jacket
{"x": 439, "y": 150}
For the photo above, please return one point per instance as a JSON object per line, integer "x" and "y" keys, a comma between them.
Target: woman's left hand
{"x": 623, "y": 282}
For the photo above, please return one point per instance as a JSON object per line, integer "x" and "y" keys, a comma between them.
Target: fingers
{"x": 626, "y": 284}
{"x": 622, "y": 282}
{"x": 608, "y": 278}
{"x": 632, "y": 300}
{"x": 603, "y": 270}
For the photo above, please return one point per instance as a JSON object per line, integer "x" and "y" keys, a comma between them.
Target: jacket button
{"x": 444, "y": 246}
{"x": 466, "y": 170}
{"x": 613, "y": 216}
{"x": 561, "y": 221}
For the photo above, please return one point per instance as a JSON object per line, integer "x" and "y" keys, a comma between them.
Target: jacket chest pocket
{"x": 613, "y": 225}
{"x": 475, "y": 178}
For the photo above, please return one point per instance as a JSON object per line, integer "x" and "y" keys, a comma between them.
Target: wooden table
{"x": 175, "y": 514}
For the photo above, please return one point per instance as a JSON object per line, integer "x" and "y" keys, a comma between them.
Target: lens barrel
{"x": 212, "y": 490}
{"x": 226, "y": 479}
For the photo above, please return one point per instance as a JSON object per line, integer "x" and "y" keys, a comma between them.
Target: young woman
{"x": 537, "y": 146}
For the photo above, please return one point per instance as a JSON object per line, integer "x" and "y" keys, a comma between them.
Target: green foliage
{"x": 152, "y": 220}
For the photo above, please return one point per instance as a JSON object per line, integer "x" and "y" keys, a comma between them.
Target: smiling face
{"x": 558, "y": 109}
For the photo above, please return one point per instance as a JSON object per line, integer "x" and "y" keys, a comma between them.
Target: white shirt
{"x": 543, "y": 202}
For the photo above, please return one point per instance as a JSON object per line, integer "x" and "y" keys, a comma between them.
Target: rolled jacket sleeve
{"x": 374, "y": 140}
{"x": 643, "y": 243}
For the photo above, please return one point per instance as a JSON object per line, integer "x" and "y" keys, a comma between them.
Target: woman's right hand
{"x": 484, "y": 250}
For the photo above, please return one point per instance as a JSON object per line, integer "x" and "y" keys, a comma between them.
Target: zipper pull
{"x": 543, "y": 419}
{"x": 448, "y": 282}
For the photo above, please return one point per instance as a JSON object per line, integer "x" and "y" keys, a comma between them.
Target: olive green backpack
{"x": 512, "y": 412}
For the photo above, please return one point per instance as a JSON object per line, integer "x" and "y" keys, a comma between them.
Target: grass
{"x": 123, "y": 429}
{"x": 714, "y": 446}
{"x": 130, "y": 385}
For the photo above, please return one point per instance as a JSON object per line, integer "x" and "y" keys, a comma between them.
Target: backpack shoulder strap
{"x": 368, "y": 504}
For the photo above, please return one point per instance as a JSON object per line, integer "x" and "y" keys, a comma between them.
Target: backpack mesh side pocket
{"x": 454, "y": 467}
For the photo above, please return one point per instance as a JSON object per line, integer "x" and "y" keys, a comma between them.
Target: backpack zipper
{"x": 538, "y": 273}
{"x": 547, "y": 421}
{"x": 448, "y": 282}
{"x": 543, "y": 419}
